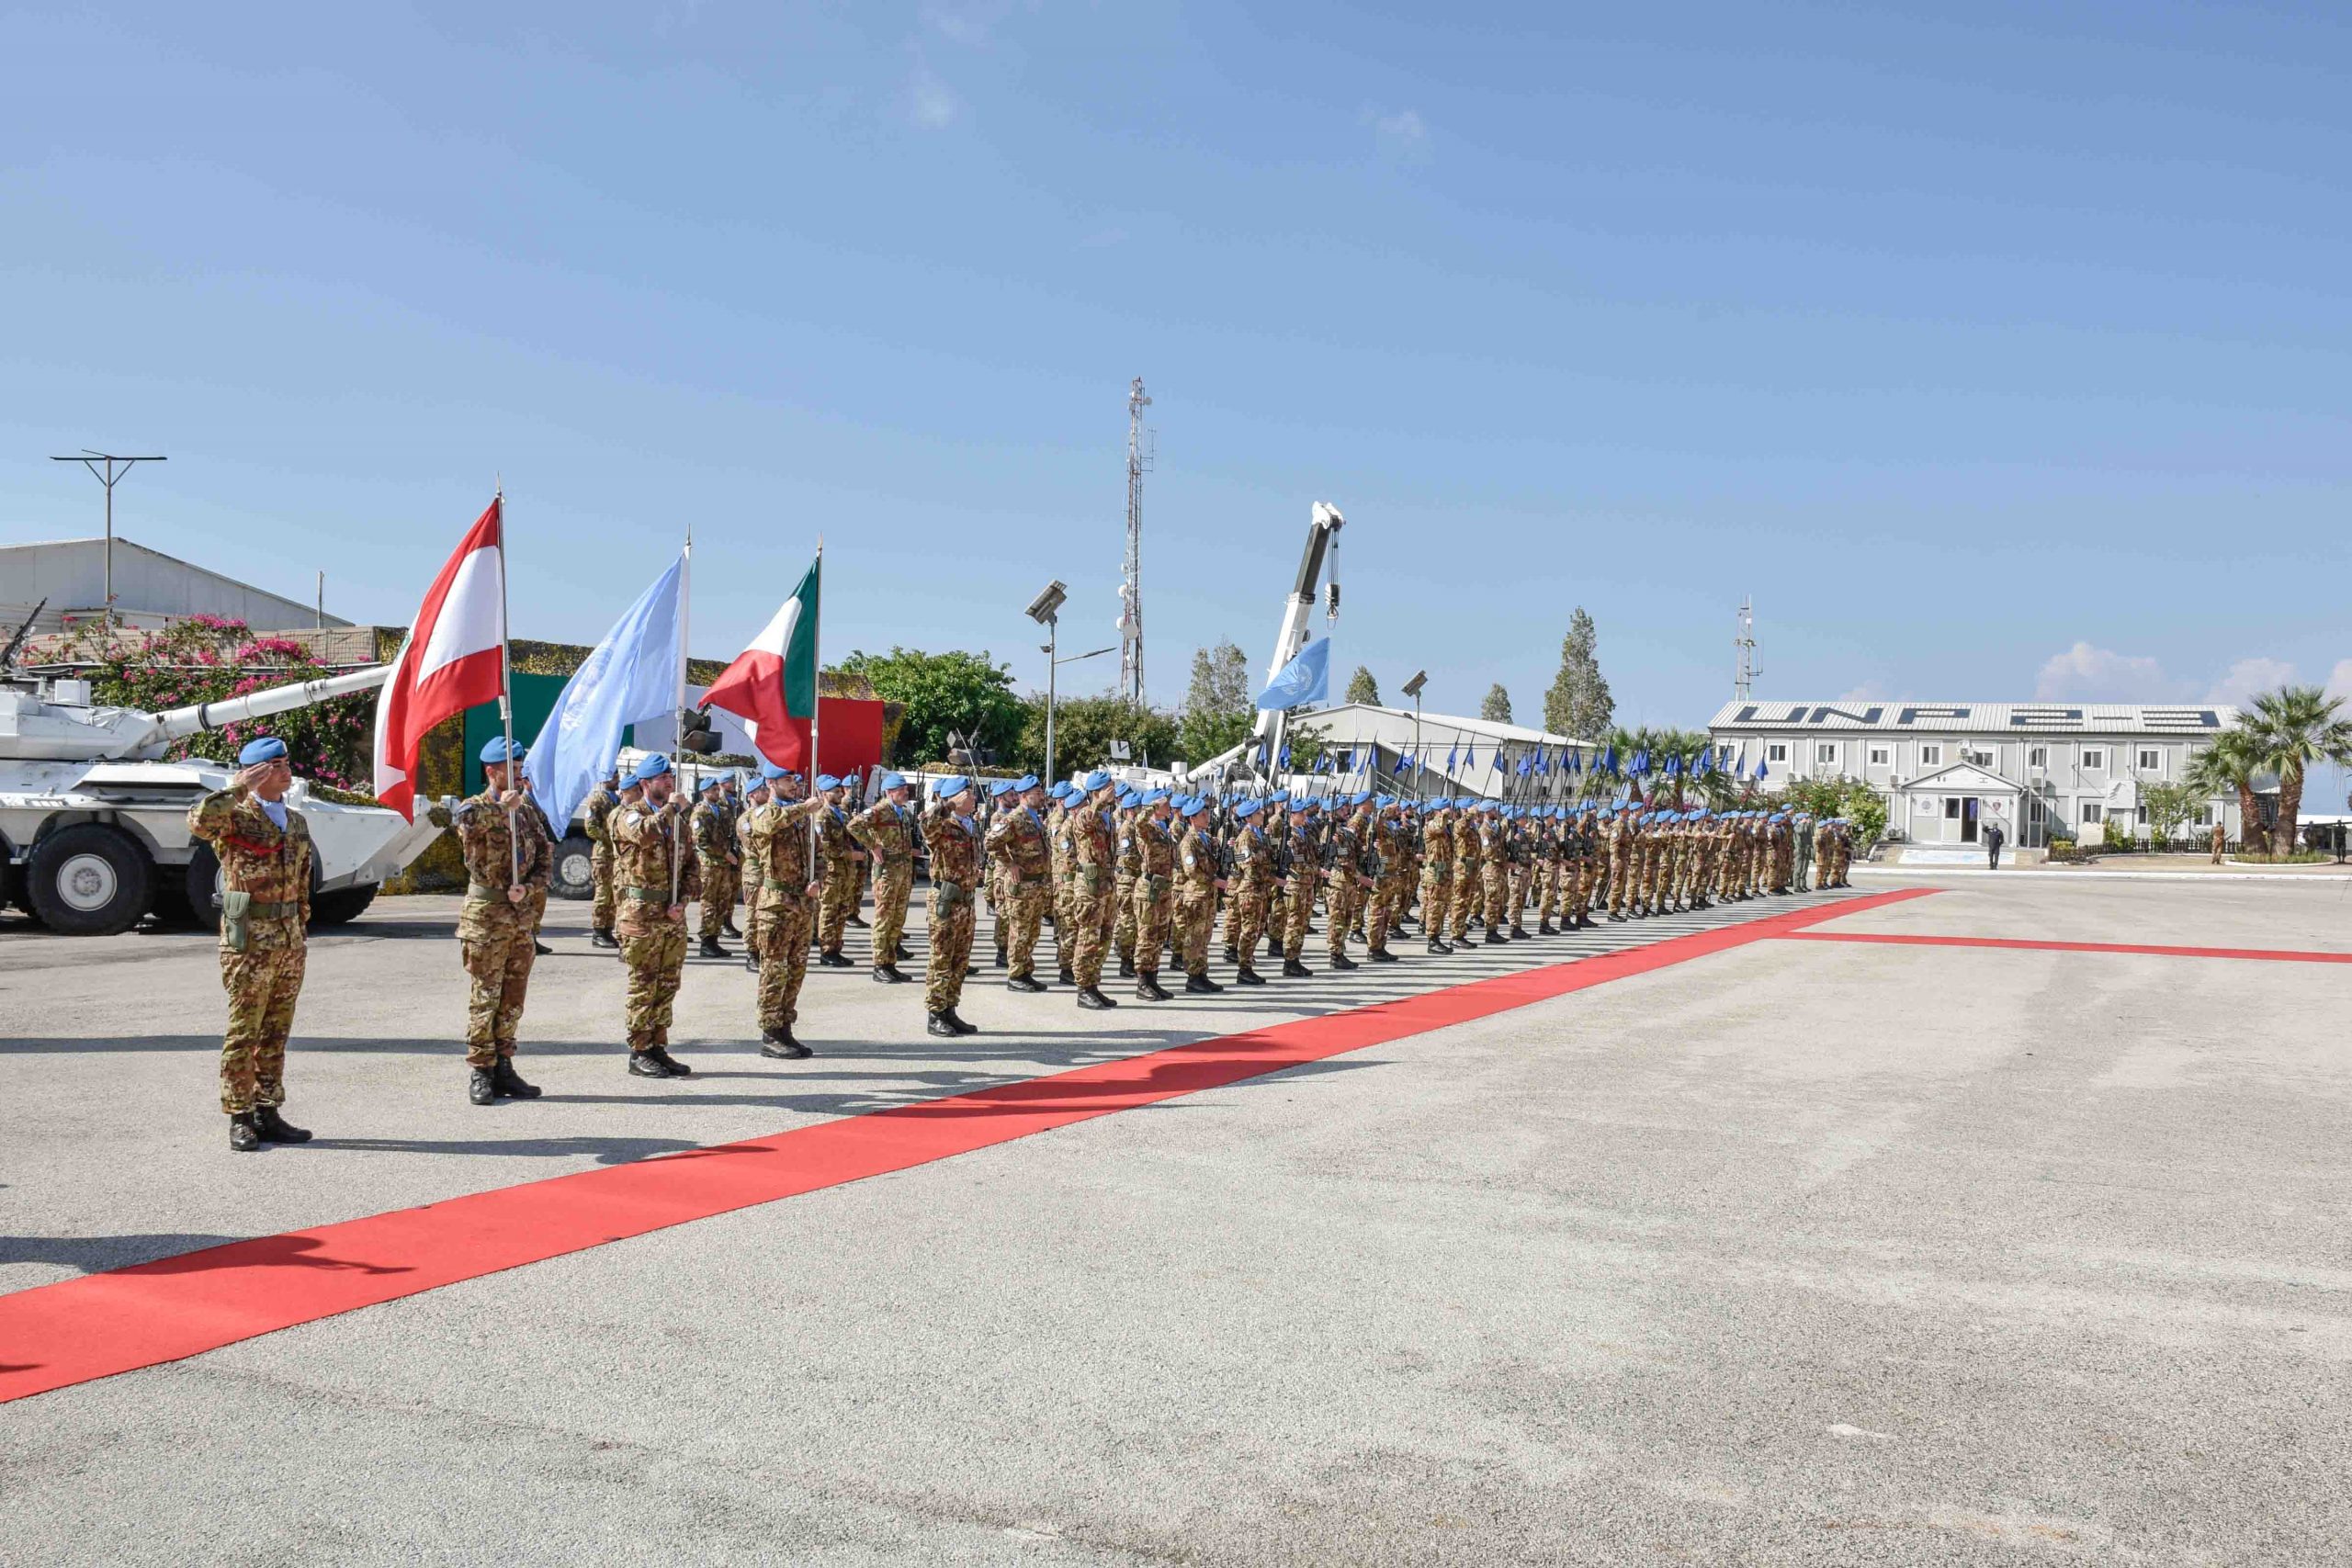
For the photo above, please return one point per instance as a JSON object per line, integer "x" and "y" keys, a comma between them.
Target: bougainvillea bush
{"x": 206, "y": 658}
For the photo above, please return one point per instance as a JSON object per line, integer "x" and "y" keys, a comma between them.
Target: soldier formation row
{"x": 1146, "y": 874}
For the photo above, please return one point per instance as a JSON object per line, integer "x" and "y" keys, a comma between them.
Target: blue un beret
{"x": 892, "y": 781}
{"x": 1026, "y": 783}
{"x": 652, "y": 765}
{"x": 950, "y": 788}
{"x": 1094, "y": 780}
{"x": 497, "y": 751}
{"x": 771, "y": 773}
{"x": 268, "y": 749}
{"x": 999, "y": 788}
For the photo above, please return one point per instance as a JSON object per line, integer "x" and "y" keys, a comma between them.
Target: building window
{"x": 2092, "y": 812}
{"x": 1825, "y": 754}
{"x": 1981, "y": 758}
{"x": 1951, "y": 808}
{"x": 1932, "y": 756}
{"x": 1777, "y": 751}
{"x": 2204, "y": 817}
{"x": 2094, "y": 761}
{"x": 2037, "y": 756}
{"x": 2139, "y": 817}
{"x": 1881, "y": 756}
{"x": 2151, "y": 761}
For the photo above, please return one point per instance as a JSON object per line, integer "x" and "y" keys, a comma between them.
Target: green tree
{"x": 1085, "y": 727}
{"x": 1217, "y": 715}
{"x": 1496, "y": 709}
{"x": 2170, "y": 804}
{"x": 943, "y": 693}
{"x": 2295, "y": 726}
{"x": 2230, "y": 766}
{"x": 1362, "y": 688}
{"x": 1578, "y": 702}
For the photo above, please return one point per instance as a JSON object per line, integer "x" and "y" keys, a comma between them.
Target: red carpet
{"x": 2280, "y": 955}
{"x": 71, "y": 1332}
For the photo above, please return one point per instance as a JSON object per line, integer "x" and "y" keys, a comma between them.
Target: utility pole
{"x": 1140, "y": 448}
{"x": 91, "y": 460}
{"x": 1744, "y": 680}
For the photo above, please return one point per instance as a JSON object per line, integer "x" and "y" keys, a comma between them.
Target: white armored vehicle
{"x": 94, "y": 823}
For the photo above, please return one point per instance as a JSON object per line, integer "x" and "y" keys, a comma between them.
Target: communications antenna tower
{"x": 1743, "y": 679}
{"x": 1142, "y": 445}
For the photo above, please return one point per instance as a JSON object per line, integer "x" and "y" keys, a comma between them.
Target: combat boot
{"x": 956, "y": 1021}
{"x": 1202, "y": 986}
{"x": 1440, "y": 947}
{"x": 541, "y": 949}
{"x": 711, "y": 948}
{"x": 1148, "y": 987}
{"x": 482, "y": 1088}
{"x": 1517, "y": 931}
{"x": 1232, "y": 954}
{"x": 1341, "y": 961}
{"x": 670, "y": 1066}
{"x": 888, "y": 974}
{"x": 1001, "y": 959}
{"x": 242, "y": 1137}
{"x": 832, "y": 961}
{"x": 600, "y": 937}
{"x": 276, "y": 1129}
{"x": 1546, "y": 928}
{"x": 1247, "y": 977}
{"x": 642, "y": 1064}
{"x": 780, "y": 1044}
{"x": 752, "y": 962}
{"x": 509, "y": 1082}
{"x": 1381, "y": 955}
{"x": 727, "y": 927}
{"x": 1294, "y": 970}
{"x": 1091, "y": 998}
{"x": 1495, "y": 938}
{"x": 1066, "y": 977}
{"x": 1126, "y": 966}
{"x": 1028, "y": 982}
{"x": 937, "y": 1023}
{"x": 900, "y": 955}
{"x": 857, "y": 919}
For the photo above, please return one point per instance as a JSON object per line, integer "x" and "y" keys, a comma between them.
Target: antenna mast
{"x": 1744, "y": 680}
{"x": 1140, "y": 449}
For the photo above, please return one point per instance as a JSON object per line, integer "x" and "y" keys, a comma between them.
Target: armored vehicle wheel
{"x": 341, "y": 906}
{"x": 89, "y": 880}
{"x": 200, "y": 886}
{"x": 575, "y": 872}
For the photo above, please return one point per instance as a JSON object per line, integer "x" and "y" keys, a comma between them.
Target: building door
{"x": 1969, "y": 807}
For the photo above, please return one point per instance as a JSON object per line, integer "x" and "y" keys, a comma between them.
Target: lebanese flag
{"x": 453, "y": 658}
{"x": 771, "y": 685}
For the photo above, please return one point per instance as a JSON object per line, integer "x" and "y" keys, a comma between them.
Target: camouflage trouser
{"x": 600, "y": 871}
{"x": 1123, "y": 908}
{"x": 1233, "y": 921}
{"x": 1152, "y": 914}
{"x": 1345, "y": 899}
{"x": 781, "y": 921}
{"x": 1024, "y": 912}
{"x": 1194, "y": 915}
{"x": 1249, "y": 913}
{"x": 1390, "y": 897}
{"x": 893, "y": 886}
{"x": 655, "y": 960}
{"x": 1821, "y": 873}
{"x": 1088, "y": 930}
{"x": 751, "y": 914}
{"x": 951, "y": 948}
{"x": 1620, "y": 866}
{"x": 1437, "y": 900}
{"x": 1000, "y": 900}
{"x": 262, "y": 984}
{"x": 499, "y": 967}
{"x": 1522, "y": 883}
{"x": 1468, "y": 891}
{"x": 1297, "y": 909}
{"x": 1497, "y": 879}
{"x": 717, "y": 893}
{"x": 844, "y": 885}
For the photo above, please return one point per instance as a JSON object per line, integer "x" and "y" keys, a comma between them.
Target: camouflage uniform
{"x": 648, "y": 851}
{"x": 712, "y": 848}
{"x": 264, "y": 975}
{"x": 775, "y": 861}
{"x": 886, "y": 831}
{"x": 1437, "y": 875}
{"x": 1469, "y": 886}
{"x": 1154, "y": 895}
{"x": 1299, "y": 890}
{"x": 496, "y": 936}
{"x": 1393, "y": 886}
{"x": 1017, "y": 840}
{"x": 1196, "y": 863}
{"x": 747, "y": 873}
{"x": 596, "y": 811}
{"x": 1091, "y": 885}
{"x": 1253, "y": 877}
{"x": 1344, "y": 891}
{"x": 844, "y": 880}
{"x": 1494, "y": 857}
{"x": 955, "y": 881}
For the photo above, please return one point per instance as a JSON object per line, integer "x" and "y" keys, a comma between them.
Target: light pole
{"x": 108, "y": 478}
{"x": 1413, "y": 690}
{"x": 1046, "y": 609}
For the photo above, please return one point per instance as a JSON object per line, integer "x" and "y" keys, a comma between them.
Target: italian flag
{"x": 771, "y": 685}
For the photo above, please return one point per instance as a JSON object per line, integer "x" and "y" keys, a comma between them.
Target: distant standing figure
{"x": 1993, "y": 839}
{"x": 2220, "y": 838}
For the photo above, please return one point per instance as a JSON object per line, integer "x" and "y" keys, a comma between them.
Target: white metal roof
{"x": 1980, "y": 718}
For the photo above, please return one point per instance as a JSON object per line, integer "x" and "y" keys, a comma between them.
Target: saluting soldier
{"x": 1197, "y": 885}
{"x": 1154, "y": 891}
{"x": 844, "y": 872}
{"x": 777, "y": 859}
{"x": 886, "y": 832}
{"x": 265, "y": 854}
{"x": 1437, "y": 875}
{"x": 747, "y": 873}
{"x": 953, "y": 837}
{"x": 658, "y": 873}
{"x": 1019, "y": 840}
{"x": 1392, "y": 855}
{"x": 1092, "y": 850}
{"x": 509, "y": 860}
{"x": 594, "y": 812}
{"x": 1252, "y": 880}
{"x": 1344, "y": 845}
{"x": 707, "y": 823}
{"x": 1129, "y": 810}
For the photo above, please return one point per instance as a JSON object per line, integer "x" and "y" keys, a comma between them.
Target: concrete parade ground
{"x": 1747, "y": 1235}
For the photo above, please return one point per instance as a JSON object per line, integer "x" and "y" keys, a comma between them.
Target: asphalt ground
{"x": 1803, "y": 1251}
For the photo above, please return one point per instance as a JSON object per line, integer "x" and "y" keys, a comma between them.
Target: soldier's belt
{"x": 258, "y": 911}
{"x": 480, "y": 890}
{"x": 648, "y": 894}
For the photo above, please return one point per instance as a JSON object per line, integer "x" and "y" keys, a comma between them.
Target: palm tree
{"x": 2232, "y": 764}
{"x": 2295, "y": 726}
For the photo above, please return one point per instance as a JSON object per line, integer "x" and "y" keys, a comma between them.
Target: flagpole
{"x": 678, "y": 715}
{"x": 816, "y": 698}
{"x": 506, "y": 692}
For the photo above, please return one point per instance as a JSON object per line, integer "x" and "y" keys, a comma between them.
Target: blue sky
{"x": 1996, "y": 356}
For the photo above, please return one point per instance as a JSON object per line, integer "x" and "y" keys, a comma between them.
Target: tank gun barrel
{"x": 178, "y": 723}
